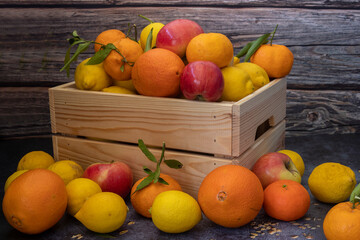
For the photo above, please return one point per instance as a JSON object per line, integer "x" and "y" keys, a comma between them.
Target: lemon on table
{"x": 156, "y": 26}
{"x": 103, "y": 212}
{"x": 257, "y": 74}
{"x": 118, "y": 89}
{"x": 78, "y": 191}
{"x": 91, "y": 77}
{"x": 297, "y": 160}
{"x": 12, "y": 177}
{"x": 35, "y": 159}
{"x": 175, "y": 212}
{"x": 67, "y": 170}
{"x": 332, "y": 182}
{"x": 237, "y": 84}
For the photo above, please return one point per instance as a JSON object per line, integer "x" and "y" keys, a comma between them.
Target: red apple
{"x": 202, "y": 80}
{"x": 176, "y": 35}
{"x": 113, "y": 177}
{"x": 275, "y": 166}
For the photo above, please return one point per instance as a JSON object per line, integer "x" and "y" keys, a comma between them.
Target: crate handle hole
{"x": 262, "y": 128}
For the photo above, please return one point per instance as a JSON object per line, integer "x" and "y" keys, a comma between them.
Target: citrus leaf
{"x": 149, "y": 41}
{"x": 244, "y": 50}
{"x": 146, "y": 151}
{"x": 255, "y": 46}
{"x": 99, "y": 56}
{"x": 161, "y": 180}
{"x": 355, "y": 194}
{"x": 144, "y": 182}
{"x": 81, "y": 48}
{"x": 172, "y": 163}
{"x": 147, "y": 170}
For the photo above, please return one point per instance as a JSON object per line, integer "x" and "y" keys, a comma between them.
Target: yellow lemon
{"x": 237, "y": 84}
{"x": 67, "y": 170}
{"x": 236, "y": 60}
{"x": 156, "y": 26}
{"x": 175, "y": 211}
{"x": 12, "y": 177}
{"x": 117, "y": 89}
{"x": 35, "y": 159}
{"x": 78, "y": 191}
{"x": 331, "y": 182}
{"x": 91, "y": 77}
{"x": 297, "y": 160}
{"x": 257, "y": 74}
{"x": 103, "y": 212}
{"x": 126, "y": 84}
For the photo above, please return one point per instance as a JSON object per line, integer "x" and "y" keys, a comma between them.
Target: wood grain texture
{"x": 323, "y": 35}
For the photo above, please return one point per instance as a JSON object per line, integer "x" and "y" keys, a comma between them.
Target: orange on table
{"x": 143, "y": 199}
{"x": 157, "y": 73}
{"x": 131, "y": 50}
{"x": 276, "y": 60}
{"x": 286, "y": 200}
{"x": 342, "y": 222}
{"x": 35, "y": 201}
{"x": 108, "y": 36}
{"x": 231, "y": 196}
{"x": 213, "y": 47}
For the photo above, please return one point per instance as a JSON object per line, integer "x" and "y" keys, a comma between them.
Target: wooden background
{"x": 323, "y": 88}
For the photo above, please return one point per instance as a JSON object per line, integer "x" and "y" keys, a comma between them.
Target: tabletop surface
{"x": 314, "y": 150}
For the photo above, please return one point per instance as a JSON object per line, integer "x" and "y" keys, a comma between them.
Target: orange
{"x": 35, "y": 201}
{"x": 131, "y": 50}
{"x": 342, "y": 222}
{"x": 213, "y": 47}
{"x": 231, "y": 196}
{"x": 276, "y": 60}
{"x": 157, "y": 73}
{"x": 286, "y": 200}
{"x": 143, "y": 199}
{"x": 108, "y": 36}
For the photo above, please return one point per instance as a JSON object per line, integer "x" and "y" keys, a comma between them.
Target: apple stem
{"x": 151, "y": 21}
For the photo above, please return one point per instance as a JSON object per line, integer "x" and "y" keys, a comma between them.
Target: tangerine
{"x": 286, "y": 200}
{"x": 213, "y": 47}
{"x": 143, "y": 199}
{"x": 231, "y": 196}
{"x": 35, "y": 201}
{"x": 276, "y": 60}
{"x": 157, "y": 73}
{"x": 342, "y": 222}
{"x": 114, "y": 64}
{"x": 108, "y": 36}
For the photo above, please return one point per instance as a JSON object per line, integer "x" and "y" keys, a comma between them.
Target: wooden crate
{"x": 93, "y": 127}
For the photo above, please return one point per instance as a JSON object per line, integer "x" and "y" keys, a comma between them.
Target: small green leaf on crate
{"x": 172, "y": 163}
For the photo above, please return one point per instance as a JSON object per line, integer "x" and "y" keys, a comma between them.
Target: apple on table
{"x": 275, "y": 166}
{"x": 176, "y": 35}
{"x": 202, "y": 80}
{"x": 115, "y": 177}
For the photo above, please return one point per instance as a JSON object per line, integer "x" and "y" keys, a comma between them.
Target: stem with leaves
{"x": 155, "y": 176}
{"x": 355, "y": 196}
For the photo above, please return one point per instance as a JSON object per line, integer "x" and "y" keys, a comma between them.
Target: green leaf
{"x": 255, "y": 46}
{"x": 244, "y": 50}
{"x": 161, "y": 180}
{"x": 144, "y": 182}
{"x": 172, "y": 163}
{"x": 99, "y": 56}
{"x": 147, "y": 170}
{"x": 146, "y": 151}
{"x": 355, "y": 194}
{"x": 149, "y": 41}
{"x": 81, "y": 48}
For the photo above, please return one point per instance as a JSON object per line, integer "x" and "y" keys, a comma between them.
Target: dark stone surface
{"x": 314, "y": 150}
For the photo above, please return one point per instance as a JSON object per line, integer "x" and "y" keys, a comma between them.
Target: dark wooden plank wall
{"x": 323, "y": 88}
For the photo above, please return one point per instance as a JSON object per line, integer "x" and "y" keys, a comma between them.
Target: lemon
{"x": 332, "y": 182}
{"x": 12, "y": 177}
{"x": 117, "y": 89}
{"x": 237, "y": 84}
{"x": 297, "y": 160}
{"x": 103, "y": 212}
{"x": 156, "y": 26}
{"x": 175, "y": 211}
{"x": 35, "y": 159}
{"x": 236, "y": 60}
{"x": 257, "y": 74}
{"x": 91, "y": 77}
{"x": 78, "y": 191}
{"x": 67, "y": 170}
{"x": 126, "y": 84}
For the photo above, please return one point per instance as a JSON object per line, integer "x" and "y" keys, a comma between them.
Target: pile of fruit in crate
{"x": 230, "y": 195}
{"x": 177, "y": 60}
